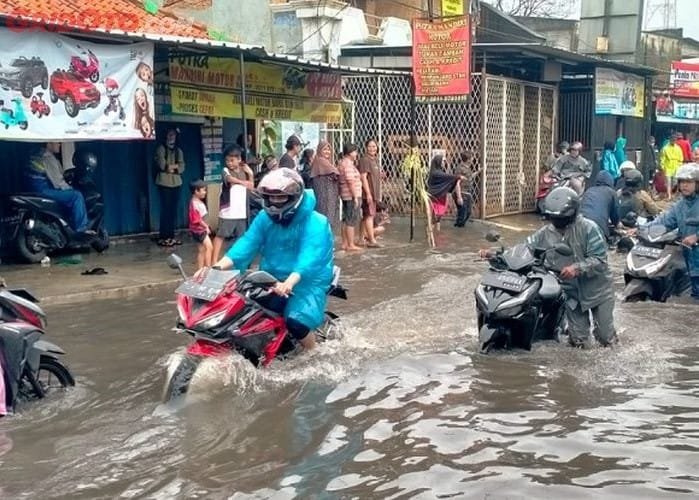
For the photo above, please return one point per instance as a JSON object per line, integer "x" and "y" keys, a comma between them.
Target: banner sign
{"x": 442, "y": 59}
{"x": 618, "y": 93}
{"x": 671, "y": 109}
{"x": 54, "y": 88}
{"x": 684, "y": 79}
{"x": 454, "y": 7}
{"x": 211, "y": 86}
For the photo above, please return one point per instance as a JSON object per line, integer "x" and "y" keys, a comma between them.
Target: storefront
{"x": 677, "y": 108}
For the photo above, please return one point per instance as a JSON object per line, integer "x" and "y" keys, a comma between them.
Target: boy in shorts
{"x": 198, "y": 228}
{"x": 237, "y": 178}
{"x": 351, "y": 195}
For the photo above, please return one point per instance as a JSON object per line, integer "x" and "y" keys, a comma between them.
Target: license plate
{"x": 505, "y": 281}
{"x": 650, "y": 252}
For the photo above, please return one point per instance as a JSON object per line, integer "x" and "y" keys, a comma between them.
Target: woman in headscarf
{"x": 439, "y": 185}
{"x": 324, "y": 179}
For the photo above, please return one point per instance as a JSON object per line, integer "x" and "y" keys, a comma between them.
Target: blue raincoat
{"x": 305, "y": 247}
{"x": 620, "y": 150}
{"x": 676, "y": 217}
{"x": 609, "y": 164}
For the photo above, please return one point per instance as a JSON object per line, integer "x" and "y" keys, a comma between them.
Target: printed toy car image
{"x": 39, "y": 106}
{"x": 14, "y": 116}
{"x": 24, "y": 74}
{"x": 75, "y": 92}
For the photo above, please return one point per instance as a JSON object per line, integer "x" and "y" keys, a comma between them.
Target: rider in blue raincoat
{"x": 680, "y": 214}
{"x": 296, "y": 246}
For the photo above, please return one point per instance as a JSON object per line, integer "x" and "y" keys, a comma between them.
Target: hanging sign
{"x": 211, "y": 86}
{"x": 618, "y": 93}
{"x": 454, "y": 7}
{"x": 442, "y": 59}
{"x": 684, "y": 79}
{"x": 53, "y": 87}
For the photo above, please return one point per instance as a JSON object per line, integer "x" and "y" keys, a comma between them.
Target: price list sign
{"x": 442, "y": 59}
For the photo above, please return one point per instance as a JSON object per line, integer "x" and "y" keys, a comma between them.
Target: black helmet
{"x": 633, "y": 179}
{"x": 561, "y": 206}
{"x": 85, "y": 159}
{"x": 282, "y": 182}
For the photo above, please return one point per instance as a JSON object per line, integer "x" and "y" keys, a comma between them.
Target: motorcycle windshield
{"x": 208, "y": 285}
{"x": 518, "y": 257}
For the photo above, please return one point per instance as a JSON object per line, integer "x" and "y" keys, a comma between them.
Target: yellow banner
{"x": 211, "y": 86}
{"x": 454, "y": 7}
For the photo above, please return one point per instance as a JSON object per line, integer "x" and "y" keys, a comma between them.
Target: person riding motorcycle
{"x": 585, "y": 276}
{"x": 633, "y": 198}
{"x": 679, "y": 216}
{"x": 296, "y": 247}
{"x": 574, "y": 167}
{"x": 46, "y": 177}
{"x": 599, "y": 203}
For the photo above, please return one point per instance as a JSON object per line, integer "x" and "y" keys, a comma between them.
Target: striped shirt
{"x": 350, "y": 180}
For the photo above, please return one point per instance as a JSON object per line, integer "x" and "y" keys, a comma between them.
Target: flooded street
{"x": 401, "y": 407}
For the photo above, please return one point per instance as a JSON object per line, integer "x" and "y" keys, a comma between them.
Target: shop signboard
{"x": 442, "y": 59}
{"x": 618, "y": 93}
{"x": 210, "y": 86}
{"x": 454, "y": 7}
{"x": 670, "y": 109}
{"x": 684, "y": 79}
{"x": 53, "y": 87}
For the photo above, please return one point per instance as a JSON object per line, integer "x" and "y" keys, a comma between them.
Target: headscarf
{"x": 320, "y": 165}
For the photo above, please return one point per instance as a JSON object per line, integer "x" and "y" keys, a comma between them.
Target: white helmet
{"x": 627, "y": 165}
{"x": 688, "y": 172}
{"x": 281, "y": 182}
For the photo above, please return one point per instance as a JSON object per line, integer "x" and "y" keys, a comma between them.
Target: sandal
{"x": 95, "y": 271}
{"x": 161, "y": 243}
{"x": 176, "y": 242}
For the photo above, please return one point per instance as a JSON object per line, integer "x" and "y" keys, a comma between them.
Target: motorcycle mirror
{"x": 492, "y": 236}
{"x": 174, "y": 261}
{"x": 563, "y": 249}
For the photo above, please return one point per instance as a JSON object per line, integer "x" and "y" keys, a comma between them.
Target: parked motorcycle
{"x": 520, "y": 300}
{"x": 224, "y": 313}
{"x": 38, "y": 106}
{"x": 37, "y": 226}
{"x": 15, "y": 116}
{"x": 655, "y": 267}
{"x": 32, "y": 365}
{"x": 88, "y": 69}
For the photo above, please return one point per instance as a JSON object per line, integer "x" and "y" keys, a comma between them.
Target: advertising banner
{"x": 676, "y": 110}
{"x": 210, "y": 86}
{"x": 454, "y": 7}
{"x": 442, "y": 59}
{"x": 55, "y": 88}
{"x": 684, "y": 79}
{"x": 618, "y": 93}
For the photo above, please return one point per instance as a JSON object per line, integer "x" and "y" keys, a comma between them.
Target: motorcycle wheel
{"x": 28, "y": 247}
{"x": 52, "y": 376}
{"x": 102, "y": 241}
{"x": 178, "y": 384}
{"x": 639, "y": 297}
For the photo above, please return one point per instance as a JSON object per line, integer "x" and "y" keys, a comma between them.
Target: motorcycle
{"x": 225, "y": 312}
{"x": 88, "y": 70}
{"x": 16, "y": 116}
{"x": 520, "y": 300}
{"x": 32, "y": 365}
{"x": 655, "y": 267}
{"x": 38, "y": 226}
{"x": 38, "y": 106}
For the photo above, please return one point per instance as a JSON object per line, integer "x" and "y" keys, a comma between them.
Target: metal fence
{"x": 514, "y": 118}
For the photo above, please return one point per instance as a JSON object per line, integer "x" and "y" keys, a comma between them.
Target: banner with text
{"x": 442, "y": 59}
{"x": 454, "y": 7}
{"x": 57, "y": 88}
{"x": 618, "y": 93}
{"x": 684, "y": 79}
{"x": 210, "y": 86}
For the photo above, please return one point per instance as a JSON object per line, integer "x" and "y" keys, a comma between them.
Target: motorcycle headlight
{"x": 212, "y": 321}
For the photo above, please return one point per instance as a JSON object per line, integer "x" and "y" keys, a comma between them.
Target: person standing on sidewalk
{"x": 463, "y": 196}
{"x": 371, "y": 190}
{"x": 325, "y": 182}
{"x": 237, "y": 178}
{"x": 290, "y": 159}
{"x": 170, "y": 164}
{"x": 351, "y": 194}
{"x": 671, "y": 158}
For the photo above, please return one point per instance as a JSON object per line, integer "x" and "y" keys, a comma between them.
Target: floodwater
{"x": 401, "y": 407}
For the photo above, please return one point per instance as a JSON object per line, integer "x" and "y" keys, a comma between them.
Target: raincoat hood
{"x": 604, "y": 178}
{"x": 621, "y": 143}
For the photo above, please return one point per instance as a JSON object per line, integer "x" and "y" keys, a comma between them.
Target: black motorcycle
{"x": 520, "y": 300}
{"x": 31, "y": 365}
{"x": 34, "y": 226}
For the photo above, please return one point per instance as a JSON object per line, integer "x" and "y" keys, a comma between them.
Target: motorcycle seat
{"x": 39, "y": 201}
{"x": 550, "y": 288}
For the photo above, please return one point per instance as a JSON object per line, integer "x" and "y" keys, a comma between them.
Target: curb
{"x": 108, "y": 293}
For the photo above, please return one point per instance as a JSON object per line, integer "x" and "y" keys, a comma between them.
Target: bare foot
{"x": 355, "y": 248}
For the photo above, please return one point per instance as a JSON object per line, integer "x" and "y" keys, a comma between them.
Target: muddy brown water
{"x": 401, "y": 407}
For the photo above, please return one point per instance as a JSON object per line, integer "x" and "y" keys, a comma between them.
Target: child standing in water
{"x": 198, "y": 228}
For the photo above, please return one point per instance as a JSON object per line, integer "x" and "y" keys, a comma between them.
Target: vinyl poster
{"x": 55, "y": 88}
{"x": 618, "y": 93}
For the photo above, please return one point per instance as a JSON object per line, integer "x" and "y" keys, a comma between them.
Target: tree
{"x": 535, "y": 8}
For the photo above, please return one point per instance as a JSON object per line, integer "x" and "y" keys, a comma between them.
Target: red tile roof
{"x": 108, "y": 15}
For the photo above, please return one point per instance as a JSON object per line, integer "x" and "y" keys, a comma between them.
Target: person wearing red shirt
{"x": 683, "y": 143}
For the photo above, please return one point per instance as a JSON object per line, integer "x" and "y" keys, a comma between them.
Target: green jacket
{"x": 165, "y": 156}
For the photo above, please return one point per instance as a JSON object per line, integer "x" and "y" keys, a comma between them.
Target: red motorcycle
{"x": 546, "y": 184}
{"x": 88, "y": 70}
{"x": 38, "y": 106}
{"x": 226, "y": 312}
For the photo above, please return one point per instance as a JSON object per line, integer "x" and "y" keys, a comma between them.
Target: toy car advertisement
{"x": 53, "y": 87}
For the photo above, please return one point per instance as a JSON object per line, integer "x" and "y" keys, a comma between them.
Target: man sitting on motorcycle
{"x": 573, "y": 167}
{"x": 585, "y": 278}
{"x": 45, "y": 176}
{"x": 680, "y": 213}
{"x": 633, "y": 198}
{"x": 296, "y": 247}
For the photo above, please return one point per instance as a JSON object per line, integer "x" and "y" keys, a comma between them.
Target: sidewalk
{"x": 133, "y": 266}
